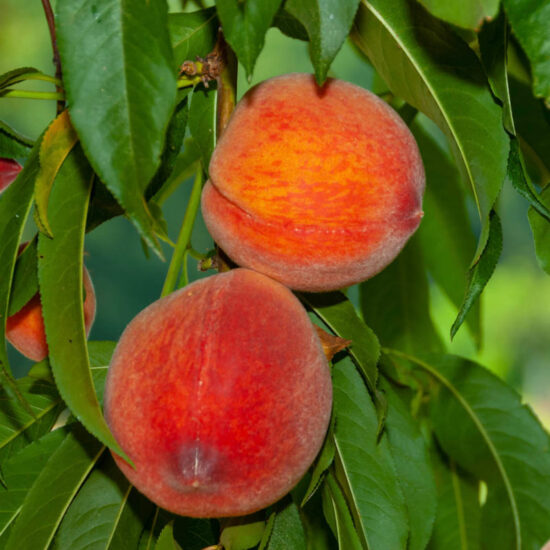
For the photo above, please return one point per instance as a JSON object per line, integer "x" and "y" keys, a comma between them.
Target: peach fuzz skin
{"x": 25, "y": 329}
{"x": 220, "y": 394}
{"x": 319, "y": 188}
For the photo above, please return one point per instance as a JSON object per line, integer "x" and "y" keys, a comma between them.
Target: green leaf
{"x": 482, "y": 424}
{"x": 57, "y": 142}
{"x": 25, "y": 278}
{"x": 20, "y": 473}
{"x": 96, "y": 516}
{"x": 431, "y": 68}
{"x": 396, "y": 303}
{"x": 60, "y": 269}
{"x": 469, "y": 14}
{"x": 412, "y": 464}
{"x": 12, "y": 144}
{"x": 18, "y": 427}
{"x": 242, "y": 533}
{"x": 285, "y": 529}
{"x": 120, "y": 83}
{"x": 445, "y": 234}
{"x": 289, "y": 25}
{"x": 340, "y": 315}
{"x": 364, "y": 466}
{"x": 54, "y": 489}
{"x": 193, "y": 34}
{"x": 15, "y": 204}
{"x": 540, "y": 226}
{"x": 529, "y": 21}
{"x": 15, "y": 76}
{"x": 328, "y": 23}
{"x": 458, "y": 518}
{"x": 482, "y": 271}
{"x": 202, "y": 121}
{"x": 244, "y": 26}
{"x": 166, "y": 540}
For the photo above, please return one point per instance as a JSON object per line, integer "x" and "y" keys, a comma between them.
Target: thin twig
{"x": 56, "y": 59}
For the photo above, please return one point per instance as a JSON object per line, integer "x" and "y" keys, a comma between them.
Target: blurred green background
{"x": 516, "y": 302}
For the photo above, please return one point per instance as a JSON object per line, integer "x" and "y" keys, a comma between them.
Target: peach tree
{"x": 425, "y": 449}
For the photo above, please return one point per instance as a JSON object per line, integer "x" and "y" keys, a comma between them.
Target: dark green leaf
{"x": 193, "y": 34}
{"x": 338, "y": 513}
{"x": 120, "y": 83}
{"x": 529, "y": 21}
{"x": 396, "y": 303}
{"x": 242, "y": 533}
{"x": 54, "y": 489}
{"x": 457, "y": 522}
{"x": 20, "y": 473}
{"x": 244, "y": 26}
{"x": 482, "y": 271}
{"x": 202, "y": 121}
{"x": 25, "y": 278}
{"x": 96, "y": 516}
{"x": 15, "y": 76}
{"x": 364, "y": 466}
{"x": 60, "y": 269}
{"x": 328, "y": 23}
{"x": 340, "y": 315}
{"x": 430, "y": 67}
{"x": 412, "y": 464}
{"x": 100, "y": 356}
{"x": 103, "y": 206}
{"x": 166, "y": 540}
{"x": 285, "y": 529}
{"x": 482, "y": 424}
{"x": 445, "y": 235}
{"x": 469, "y": 14}
{"x": 289, "y": 25}
{"x": 12, "y": 144}
{"x": 15, "y": 204}
{"x": 540, "y": 226}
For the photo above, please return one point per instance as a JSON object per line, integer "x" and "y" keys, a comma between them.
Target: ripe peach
{"x": 25, "y": 329}
{"x": 8, "y": 172}
{"x": 220, "y": 394}
{"x": 318, "y": 188}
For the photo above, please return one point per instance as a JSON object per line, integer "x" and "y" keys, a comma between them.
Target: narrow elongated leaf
{"x": 202, "y": 121}
{"x": 482, "y": 424}
{"x": 445, "y": 235}
{"x": 96, "y": 513}
{"x": 15, "y": 76}
{"x": 47, "y": 501}
{"x": 340, "y": 315}
{"x": 364, "y": 467}
{"x": 482, "y": 271}
{"x": 396, "y": 303}
{"x": 287, "y": 530}
{"x": 12, "y": 144}
{"x": 20, "y": 473}
{"x": 25, "y": 278}
{"x": 192, "y": 34}
{"x": 458, "y": 518}
{"x": 242, "y": 533}
{"x": 120, "y": 83}
{"x": 58, "y": 140}
{"x": 15, "y": 204}
{"x": 540, "y": 226}
{"x": 328, "y": 23}
{"x": 412, "y": 464}
{"x": 529, "y": 21}
{"x": 469, "y": 14}
{"x": 426, "y": 64}
{"x": 244, "y": 25}
{"x": 166, "y": 539}
{"x": 289, "y": 25}
{"x": 60, "y": 270}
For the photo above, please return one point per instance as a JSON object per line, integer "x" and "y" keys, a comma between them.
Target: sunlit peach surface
{"x": 318, "y": 188}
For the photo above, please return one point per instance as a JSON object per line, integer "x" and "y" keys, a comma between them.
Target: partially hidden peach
{"x": 220, "y": 394}
{"x": 25, "y": 329}
{"x": 318, "y": 188}
{"x": 9, "y": 169}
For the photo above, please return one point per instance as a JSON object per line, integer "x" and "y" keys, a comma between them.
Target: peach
{"x": 9, "y": 169}
{"x": 25, "y": 329}
{"x": 220, "y": 394}
{"x": 319, "y": 188}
